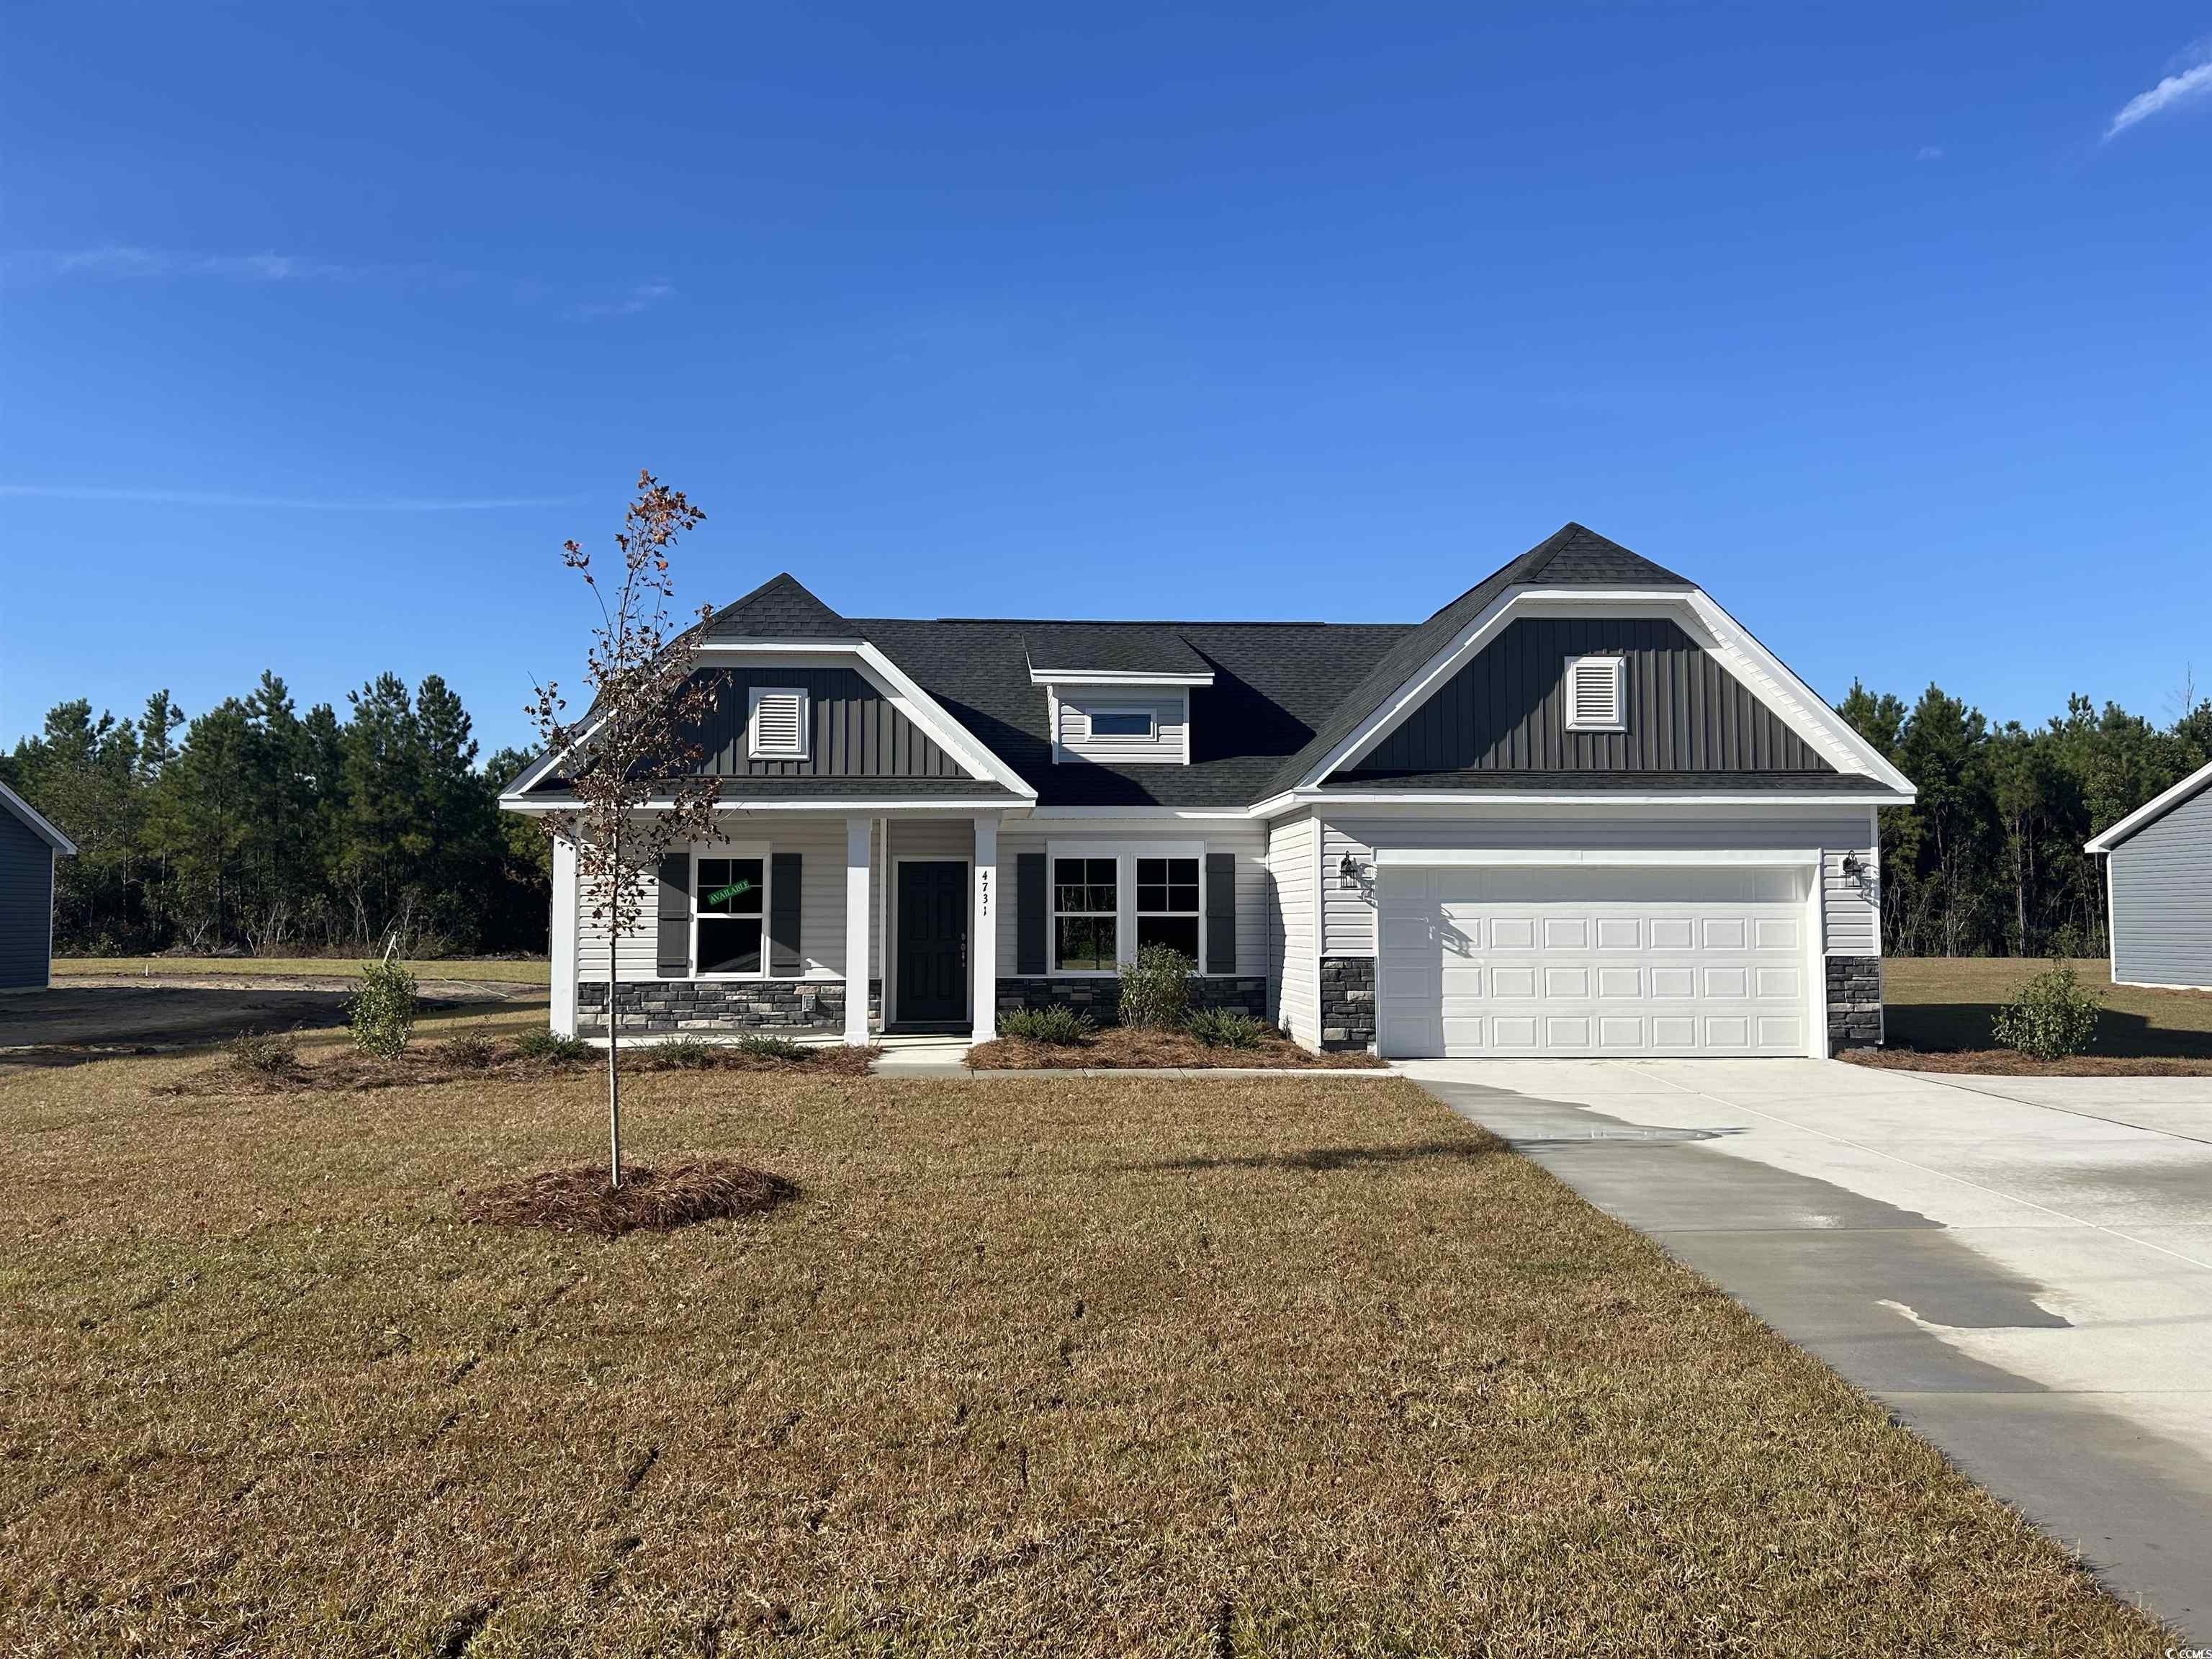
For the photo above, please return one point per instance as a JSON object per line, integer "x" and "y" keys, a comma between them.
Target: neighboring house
{"x": 1578, "y": 810}
{"x": 2158, "y": 888}
{"x": 28, "y": 847}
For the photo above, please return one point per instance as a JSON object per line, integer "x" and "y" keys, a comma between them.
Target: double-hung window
{"x": 729, "y": 905}
{"x": 1086, "y": 913}
{"x": 1167, "y": 905}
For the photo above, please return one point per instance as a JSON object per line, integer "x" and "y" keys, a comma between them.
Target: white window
{"x": 1087, "y": 914}
{"x": 1137, "y": 722}
{"x": 777, "y": 728}
{"x": 729, "y": 914}
{"x": 1597, "y": 694}
{"x": 1167, "y": 905}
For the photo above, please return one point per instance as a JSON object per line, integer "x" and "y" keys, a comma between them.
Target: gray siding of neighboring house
{"x": 2162, "y": 889}
{"x": 857, "y": 732}
{"x": 1506, "y": 710}
{"x": 26, "y": 904}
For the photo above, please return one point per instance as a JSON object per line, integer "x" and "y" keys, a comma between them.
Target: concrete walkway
{"x": 2022, "y": 1268}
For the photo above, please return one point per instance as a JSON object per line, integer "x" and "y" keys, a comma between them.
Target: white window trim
{"x": 1619, "y": 665}
{"x": 731, "y": 849}
{"x": 1150, "y": 734}
{"x": 1125, "y": 854}
{"x": 753, "y": 750}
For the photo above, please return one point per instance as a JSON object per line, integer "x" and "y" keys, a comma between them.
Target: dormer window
{"x": 778, "y": 725}
{"x": 1597, "y": 694}
{"x": 1141, "y": 724}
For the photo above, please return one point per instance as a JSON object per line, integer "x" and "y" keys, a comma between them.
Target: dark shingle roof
{"x": 1571, "y": 556}
{"x": 1272, "y": 681}
{"x": 778, "y": 609}
{"x": 1133, "y": 648}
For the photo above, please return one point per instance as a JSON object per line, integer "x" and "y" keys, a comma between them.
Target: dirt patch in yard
{"x": 468, "y": 1058}
{"x": 1118, "y": 1048}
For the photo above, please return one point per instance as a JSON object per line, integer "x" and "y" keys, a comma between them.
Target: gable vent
{"x": 1595, "y": 699}
{"x": 779, "y": 724}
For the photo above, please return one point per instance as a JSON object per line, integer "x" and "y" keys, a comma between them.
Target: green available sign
{"x": 722, "y": 895}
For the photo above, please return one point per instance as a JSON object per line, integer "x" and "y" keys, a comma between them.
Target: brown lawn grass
{"x": 1120, "y": 1047}
{"x": 1068, "y": 1365}
{"x": 1942, "y": 1007}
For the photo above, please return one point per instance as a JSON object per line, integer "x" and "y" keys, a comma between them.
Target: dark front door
{"x": 932, "y": 941}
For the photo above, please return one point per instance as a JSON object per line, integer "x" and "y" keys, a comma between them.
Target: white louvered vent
{"x": 1595, "y": 694}
{"x": 779, "y": 723}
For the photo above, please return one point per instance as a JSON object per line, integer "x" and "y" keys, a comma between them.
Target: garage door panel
{"x": 1620, "y": 960}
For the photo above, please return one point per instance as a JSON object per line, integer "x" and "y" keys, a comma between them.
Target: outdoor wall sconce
{"x": 1347, "y": 871}
{"x": 1852, "y": 868}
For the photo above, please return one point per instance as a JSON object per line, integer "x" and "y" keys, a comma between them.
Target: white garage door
{"x": 1561, "y": 961}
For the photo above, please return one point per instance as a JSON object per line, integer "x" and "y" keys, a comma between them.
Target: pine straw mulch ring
{"x": 580, "y": 1201}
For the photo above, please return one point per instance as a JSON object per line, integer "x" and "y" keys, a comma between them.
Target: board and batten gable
{"x": 1851, "y": 907}
{"x": 854, "y": 729}
{"x": 1506, "y": 710}
{"x": 26, "y": 905}
{"x": 2159, "y": 879}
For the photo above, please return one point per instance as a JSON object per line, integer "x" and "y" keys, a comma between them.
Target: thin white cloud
{"x": 304, "y": 503}
{"x": 1930, "y": 153}
{"x": 2190, "y": 83}
{"x": 123, "y": 261}
{"x": 643, "y": 297}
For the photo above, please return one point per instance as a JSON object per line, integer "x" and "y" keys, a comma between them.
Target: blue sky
{"x": 320, "y": 327}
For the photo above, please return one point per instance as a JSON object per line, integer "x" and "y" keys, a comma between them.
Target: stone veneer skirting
{"x": 1101, "y": 998}
{"x": 1854, "y": 1003}
{"x": 1347, "y": 1002}
{"x": 673, "y": 1005}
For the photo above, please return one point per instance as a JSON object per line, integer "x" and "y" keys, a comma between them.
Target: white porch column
{"x": 856, "y": 930}
{"x": 564, "y": 964}
{"x": 983, "y": 928}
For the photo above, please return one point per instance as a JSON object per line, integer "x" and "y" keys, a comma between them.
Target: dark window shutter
{"x": 783, "y": 955}
{"x": 1221, "y": 913}
{"x": 1032, "y": 914}
{"x": 674, "y": 953}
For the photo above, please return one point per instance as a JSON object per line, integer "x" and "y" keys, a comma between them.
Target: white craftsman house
{"x": 1579, "y": 811}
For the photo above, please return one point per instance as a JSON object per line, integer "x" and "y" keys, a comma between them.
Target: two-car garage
{"x": 1500, "y": 954}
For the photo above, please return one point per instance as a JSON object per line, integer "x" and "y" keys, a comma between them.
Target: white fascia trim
{"x": 36, "y": 822}
{"x": 2157, "y": 806}
{"x": 1715, "y": 630}
{"x": 1161, "y": 813}
{"x": 1469, "y": 857}
{"x": 1101, "y": 676}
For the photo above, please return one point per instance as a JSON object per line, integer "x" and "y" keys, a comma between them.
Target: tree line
{"x": 253, "y": 827}
{"x": 1988, "y": 861}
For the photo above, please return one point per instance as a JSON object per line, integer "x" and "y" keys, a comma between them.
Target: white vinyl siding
{"x": 1171, "y": 716}
{"x": 1294, "y": 962}
{"x": 1851, "y": 913}
{"x": 1246, "y": 839}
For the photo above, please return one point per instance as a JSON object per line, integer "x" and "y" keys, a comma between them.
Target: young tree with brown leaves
{"x": 633, "y": 761}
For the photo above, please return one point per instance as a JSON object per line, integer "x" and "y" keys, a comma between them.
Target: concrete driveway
{"x": 2021, "y": 1268}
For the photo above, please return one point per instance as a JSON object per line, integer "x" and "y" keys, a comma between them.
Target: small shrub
{"x": 382, "y": 1009}
{"x": 542, "y": 1042}
{"x": 766, "y": 1045}
{"x": 1227, "y": 1028}
{"x": 471, "y": 1051}
{"x": 266, "y": 1052}
{"x": 1058, "y": 1026}
{"x": 683, "y": 1054}
{"x": 2052, "y": 1016}
{"x": 1156, "y": 989}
